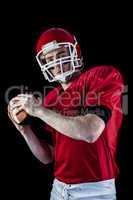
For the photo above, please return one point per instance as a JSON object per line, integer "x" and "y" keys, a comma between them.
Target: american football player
{"x": 83, "y": 115}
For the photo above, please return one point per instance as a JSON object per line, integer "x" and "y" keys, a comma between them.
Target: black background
{"x": 103, "y": 34}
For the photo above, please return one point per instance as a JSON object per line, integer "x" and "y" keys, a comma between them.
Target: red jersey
{"x": 78, "y": 161}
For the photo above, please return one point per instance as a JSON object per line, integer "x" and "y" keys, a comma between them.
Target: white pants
{"x": 84, "y": 191}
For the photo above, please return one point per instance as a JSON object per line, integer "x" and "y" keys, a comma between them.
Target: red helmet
{"x": 53, "y": 39}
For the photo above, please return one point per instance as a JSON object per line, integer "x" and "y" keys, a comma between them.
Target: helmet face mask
{"x": 67, "y": 58}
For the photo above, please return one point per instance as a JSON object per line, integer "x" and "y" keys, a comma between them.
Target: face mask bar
{"x": 71, "y": 59}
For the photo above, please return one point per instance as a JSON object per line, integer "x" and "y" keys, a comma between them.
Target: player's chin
{"x": 60, "y": 81}
{"x": 68, "y": 79}
{"x": 72, "y": 77}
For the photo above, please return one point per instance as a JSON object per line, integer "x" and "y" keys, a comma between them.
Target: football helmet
{"x": 54, "y": 39}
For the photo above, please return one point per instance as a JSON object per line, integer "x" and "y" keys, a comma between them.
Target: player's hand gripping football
{"x": 21, "y": 128}
{"x": 19, "y": 107}
{"x": 26, "y": 102}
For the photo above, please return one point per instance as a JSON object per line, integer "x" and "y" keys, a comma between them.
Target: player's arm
{"x": 87, "y": 128}
{"x": 41, "y": 149}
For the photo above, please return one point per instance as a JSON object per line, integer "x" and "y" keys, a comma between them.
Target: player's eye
{"x": 61, "y": 55}
{"x": 49, "y": 60}
{"x": 52, "y": 68}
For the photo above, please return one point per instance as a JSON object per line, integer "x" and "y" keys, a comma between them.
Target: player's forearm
{"x": 41, "y": 150}
{"x": 79, "y": 128}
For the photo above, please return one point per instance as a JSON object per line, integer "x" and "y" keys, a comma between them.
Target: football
{"x": 19, "y": 117}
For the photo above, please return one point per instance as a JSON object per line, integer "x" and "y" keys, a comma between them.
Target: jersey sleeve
{"x": 102, "y": 111}
{"x": 104, "y": 87}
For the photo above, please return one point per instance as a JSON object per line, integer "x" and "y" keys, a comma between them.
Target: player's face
{"x": 57, "y": 54}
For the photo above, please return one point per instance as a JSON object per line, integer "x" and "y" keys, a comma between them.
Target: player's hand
{"x": 26, "y": 102}
{"x": 23, "y": 129}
